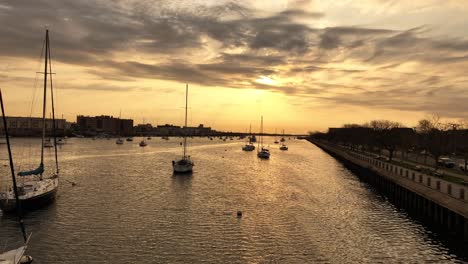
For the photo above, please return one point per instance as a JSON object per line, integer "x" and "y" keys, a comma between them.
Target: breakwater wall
{"x": 441, "y": 203}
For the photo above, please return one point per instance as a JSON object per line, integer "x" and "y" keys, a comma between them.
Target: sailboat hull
{"x": 182, "y": 166}
{"x": 8, "y": 205}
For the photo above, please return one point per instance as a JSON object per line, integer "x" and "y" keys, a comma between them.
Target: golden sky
{"x": 303, "y": 65}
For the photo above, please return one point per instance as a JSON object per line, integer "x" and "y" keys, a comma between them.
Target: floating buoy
{"x": 239, "y": 214}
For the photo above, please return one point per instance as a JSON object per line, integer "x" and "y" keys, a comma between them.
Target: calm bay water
{"x": 301, "y": 206}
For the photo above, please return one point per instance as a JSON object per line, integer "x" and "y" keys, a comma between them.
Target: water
{"x": 301, "y": 206}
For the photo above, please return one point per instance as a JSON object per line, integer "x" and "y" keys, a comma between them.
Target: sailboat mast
{"x": 53, "y": 109}
{"x": 12, "y": 168}
{"x": 261, "y": 137}
{"x": 45, "y": 97}
{"x": 185, "y": 128}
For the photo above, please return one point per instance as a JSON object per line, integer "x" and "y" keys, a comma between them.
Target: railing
{"x": 451, "y": 189}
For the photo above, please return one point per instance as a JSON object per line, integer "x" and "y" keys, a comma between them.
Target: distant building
{"x": 199, "y": 131}
{"x": 171, "y": 130}
{"x": 143, "y": 129}
{"x": 32, "y": 126}
{"x": 167, "y": 130}
{"x": 110, "y": 125}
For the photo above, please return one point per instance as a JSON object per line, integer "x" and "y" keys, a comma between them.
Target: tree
{"x": 434, "y": 138}
{"x": 386, "y": 135}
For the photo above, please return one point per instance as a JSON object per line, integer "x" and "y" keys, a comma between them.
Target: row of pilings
{"x": 438, "y": 218}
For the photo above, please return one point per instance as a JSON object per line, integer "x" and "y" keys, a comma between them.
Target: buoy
{"x": 239, "y": 214}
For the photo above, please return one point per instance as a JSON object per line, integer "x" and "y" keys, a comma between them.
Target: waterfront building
{"x": 32, "y": 126}
{"x": 103, "y": 124}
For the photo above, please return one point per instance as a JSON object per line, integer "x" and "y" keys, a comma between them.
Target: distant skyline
{"x": 303, "y": 65}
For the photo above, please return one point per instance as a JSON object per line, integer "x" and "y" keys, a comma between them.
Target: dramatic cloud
{"x": 236, "y": 45}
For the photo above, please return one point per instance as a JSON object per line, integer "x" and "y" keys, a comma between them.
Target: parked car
{"x": 446, "y": 162}
{"x": 462, "y": 166}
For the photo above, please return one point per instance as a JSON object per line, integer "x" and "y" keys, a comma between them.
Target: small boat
{"x": 61, "y": 141}
{"x": 185, "y": 164}
{"x": 263, "y": 153}
{"x": 119, "y": 141}
{"x": 143, "y": 143}
{"x": 282, "y": 138}
{"x": 129, "y": 139}
{"x": 48, "y": 143}
{"x": 15, "y": 254}
{"x": 248, "y": 147}
{"x": 283, "y": 147}
{"x": 148, "y": 138}
{"x": 276, "y": 140}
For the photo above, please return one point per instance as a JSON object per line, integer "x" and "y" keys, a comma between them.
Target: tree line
{"x": 430, "y": 137}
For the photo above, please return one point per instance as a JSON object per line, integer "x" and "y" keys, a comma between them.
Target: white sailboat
{"x": 14, "y": 255}
{"x": 48, "y": 143}
{"x": 119, "y": 141}
{"x": 61, "y": 141}
{"x": 185, "y": 164}
{"x": 37, "y": 189}
{"x": 262, "y": 152}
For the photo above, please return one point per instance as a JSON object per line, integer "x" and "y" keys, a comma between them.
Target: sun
{"x": 266, "y": 80}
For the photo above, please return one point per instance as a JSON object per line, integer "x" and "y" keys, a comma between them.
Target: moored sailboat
{"x": 143, "y": 143}
{"x": 185, "y": 164}
{"x": 15, "y": 255}
{"x": 249, "y": 146}
{"x": 37, "y": 188}
{"x": 262, "y": 152}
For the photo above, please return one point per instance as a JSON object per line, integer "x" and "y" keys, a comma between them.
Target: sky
{"x": 304, "y": 65}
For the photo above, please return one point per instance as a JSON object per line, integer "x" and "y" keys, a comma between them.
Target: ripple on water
{"x": 301, "y": 206}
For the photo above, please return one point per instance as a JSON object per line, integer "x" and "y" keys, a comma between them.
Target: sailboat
{"x": 283, "y": 145}
{"x": 48, "y": 143}
{"x": 282, "y": 138}
{"x": 37, "y": 188}
{"x": 262, "y": 153}
{"x": 276, "y": 140}
{"x": 249, "y": 146}
{"x": 143, "y": 143}
{"x": 15, "y": 255}
{"x": 185, "y": 164}
{"x": 119, "y": 141}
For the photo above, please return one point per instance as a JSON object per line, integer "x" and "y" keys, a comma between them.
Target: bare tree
{"x": 434, "y": 138}
{"x": 386, "y": 136}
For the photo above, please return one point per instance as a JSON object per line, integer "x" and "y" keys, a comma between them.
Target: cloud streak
{"x": 232, "y": 45}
